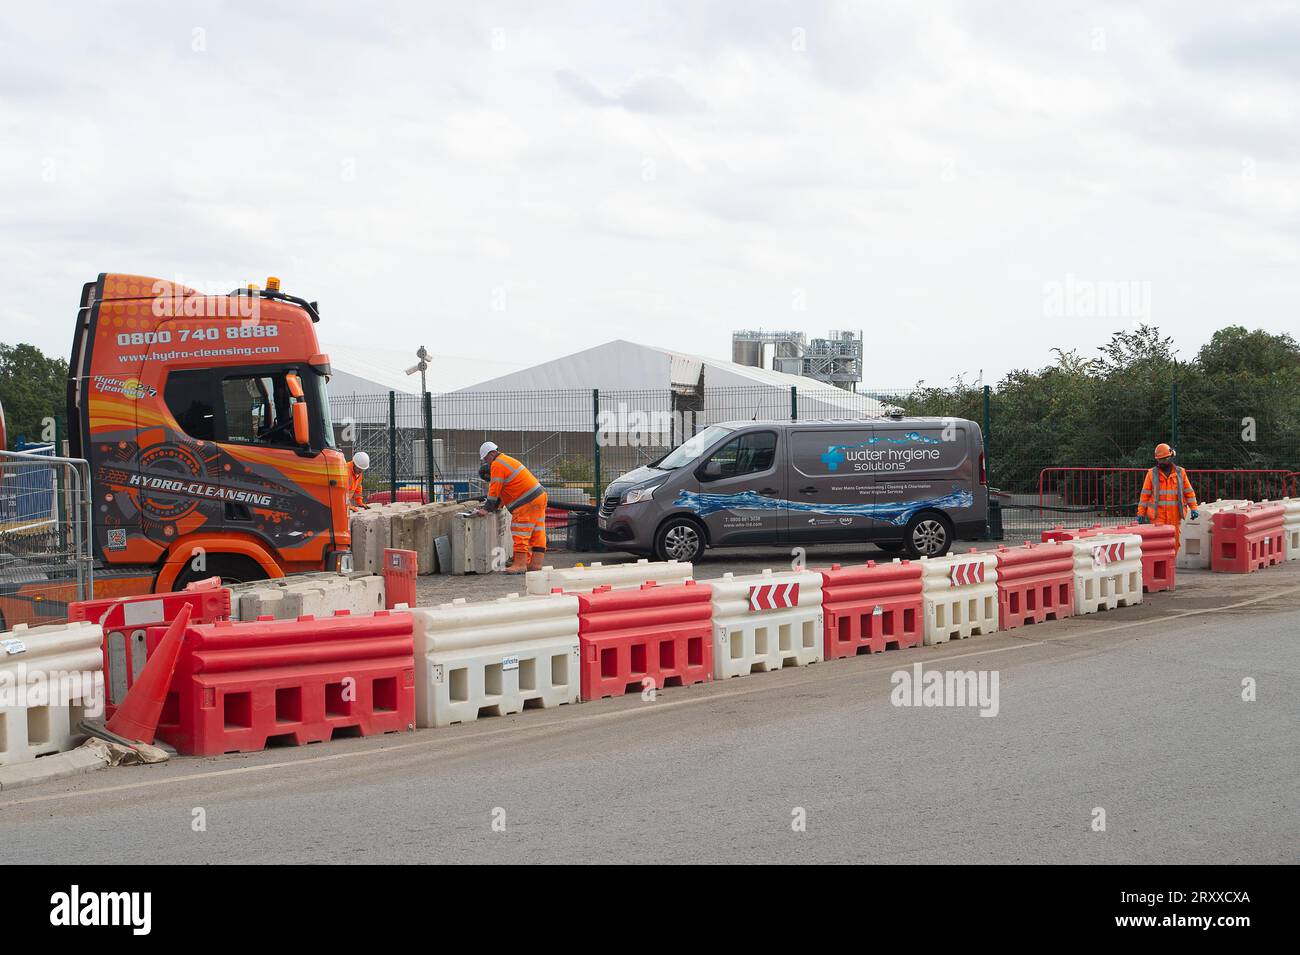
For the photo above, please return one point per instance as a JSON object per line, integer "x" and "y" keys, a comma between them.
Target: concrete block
{"x": 370, "y": 535}
{"x": 49, "y": 768}
{"x": 479, "y": 544}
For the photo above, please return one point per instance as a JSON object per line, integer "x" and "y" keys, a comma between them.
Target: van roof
{"x": 815, "y": 423}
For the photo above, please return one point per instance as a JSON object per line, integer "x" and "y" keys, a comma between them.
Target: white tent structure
{"x": 642, "y": 387}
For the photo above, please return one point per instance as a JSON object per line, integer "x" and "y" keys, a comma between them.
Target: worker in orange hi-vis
{"x": 356, "y": 469}
{"x": 513, "y": 487}
{"x": 1167, "y": 494}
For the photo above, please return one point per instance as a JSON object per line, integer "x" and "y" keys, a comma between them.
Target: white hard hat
{"x": 361, "y": 460}
{"x": 486, "y": 448}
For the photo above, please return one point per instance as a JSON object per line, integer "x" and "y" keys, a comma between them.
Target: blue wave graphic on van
{"x": 834, "y": 455}
{"x": 898, "y": 513}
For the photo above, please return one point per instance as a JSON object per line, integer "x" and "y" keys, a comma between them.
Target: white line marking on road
{"x": 587, "y": 720}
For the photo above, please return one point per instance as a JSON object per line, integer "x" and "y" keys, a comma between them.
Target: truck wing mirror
{"x": 298, "y": 407}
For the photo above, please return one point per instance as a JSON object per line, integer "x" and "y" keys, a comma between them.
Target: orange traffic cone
{"x": 137, "y": 717}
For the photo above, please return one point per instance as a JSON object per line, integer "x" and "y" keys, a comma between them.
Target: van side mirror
{"x": 711, "y": 471}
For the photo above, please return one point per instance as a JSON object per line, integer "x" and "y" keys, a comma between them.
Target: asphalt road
{"x": 1137, "y": 712}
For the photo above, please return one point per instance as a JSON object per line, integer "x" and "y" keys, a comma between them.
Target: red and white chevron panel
{"x": 1104, "y": 554}
{"x": 969, "y": 573}
{"x": 773, "y": 597}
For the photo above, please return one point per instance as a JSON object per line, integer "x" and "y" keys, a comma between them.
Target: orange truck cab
{"x": 206, "y": 423}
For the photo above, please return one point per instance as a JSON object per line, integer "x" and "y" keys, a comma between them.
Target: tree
{"x": 33, "y": 390}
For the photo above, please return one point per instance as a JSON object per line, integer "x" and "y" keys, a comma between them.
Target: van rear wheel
{"x": 680, "y": 538}
{"x": 927, "y": 535}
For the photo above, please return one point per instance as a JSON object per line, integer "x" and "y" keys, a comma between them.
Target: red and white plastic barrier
{"x": 238, "y": 685}
{"x": 766, "y": 621}
{"x": 960, "y": 594}
{"x": 126, "y": 620}
{"x": 1107, "y": 572}
{"x": 1248, "y": 539}
{"x": 1290, "y": 526}
{"x": 870, "y": 608}
{"x": 1035, "y": 583}
{"x": 651, "y": 637}
{"x": 495, "y": 658}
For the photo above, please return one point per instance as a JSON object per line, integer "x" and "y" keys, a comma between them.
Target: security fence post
{"x": 1173, "y": 415}
{"x": 428, "y": 444}
{"x": 595, "y": 444}
{"x": 988, "y": 460}
{"x": 392, "y": 446}
{"x": 794, "y": 402}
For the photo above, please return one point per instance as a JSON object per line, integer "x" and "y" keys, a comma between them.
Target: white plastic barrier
{"x": 960, "y": 593}
{"x": 617, "y": 576}
{"x": 766, "y": 621}
{"x": 1290, "y": 526}
{"x": 50, "y": 678}
{"x": 1194, "y": 547}
{"x": 495, "y": 658}
{"x": 1107, "y": 572}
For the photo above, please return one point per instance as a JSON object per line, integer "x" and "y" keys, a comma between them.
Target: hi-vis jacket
{"x": 356, "y": 492}
{"x": 512, "y": 484}
{"x": 1166, "y": 497}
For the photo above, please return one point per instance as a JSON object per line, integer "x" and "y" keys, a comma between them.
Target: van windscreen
{"x": 692, "y": 448}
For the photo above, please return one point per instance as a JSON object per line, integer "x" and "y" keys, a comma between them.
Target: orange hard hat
{"x": 1163, "y": 451}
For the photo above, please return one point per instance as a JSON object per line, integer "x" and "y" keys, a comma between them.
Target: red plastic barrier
{"x": 1059, "y": 533}
{"x": 238, "y": 686}
{"x": 1247, "y": 540}
{"x": 1159, "y": 553}
{"x": 871, "y": 607}
{"x": 400, "y": 570}
{"x": 1035, "y": 583}
{"x": 126, "y": 619}
{"x": 664, "y": 633}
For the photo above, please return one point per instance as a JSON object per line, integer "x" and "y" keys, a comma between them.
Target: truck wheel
{"x": 231, "y": 568}
{"x": 927, "y": 535}
{"x": 680, "y": 538}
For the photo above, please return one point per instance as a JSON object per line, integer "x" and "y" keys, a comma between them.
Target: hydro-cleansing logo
{"x": 865, "y": 457}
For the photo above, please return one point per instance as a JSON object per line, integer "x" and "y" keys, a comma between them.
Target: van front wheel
{"x": 680, "y": 538}
{"x": 927, "y": 535}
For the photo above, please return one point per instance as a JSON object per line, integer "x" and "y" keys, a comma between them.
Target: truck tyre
{"x": 231, "y": 568}
{"x": 928, "y": 534}
{"x": 679, "y": 538}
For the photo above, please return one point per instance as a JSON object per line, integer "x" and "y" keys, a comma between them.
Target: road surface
{"x": 1137, "y": 712}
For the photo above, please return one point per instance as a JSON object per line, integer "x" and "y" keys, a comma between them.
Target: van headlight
{"x": 637, "y": 495}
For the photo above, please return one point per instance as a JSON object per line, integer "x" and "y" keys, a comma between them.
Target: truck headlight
{"x": 637, "y": 495}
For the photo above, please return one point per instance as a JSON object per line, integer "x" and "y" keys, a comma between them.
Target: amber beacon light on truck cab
{"x": 205, "y": 420}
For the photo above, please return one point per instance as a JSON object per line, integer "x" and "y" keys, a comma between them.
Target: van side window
{"x": 746, "y": 454}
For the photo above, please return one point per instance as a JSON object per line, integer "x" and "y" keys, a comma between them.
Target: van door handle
{"x": 810, "y": 489}
{"x": 769, "y": 491}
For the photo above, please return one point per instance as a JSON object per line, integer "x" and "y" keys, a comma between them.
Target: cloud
{"x": 525, "y": 182}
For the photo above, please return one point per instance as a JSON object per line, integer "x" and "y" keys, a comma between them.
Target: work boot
{"x": 535, "y": 559}
{"x": 518, "y": 564}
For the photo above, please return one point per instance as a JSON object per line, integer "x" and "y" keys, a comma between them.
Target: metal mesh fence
{"x": 577, "y": 441}
{"x": 45, "y": 540}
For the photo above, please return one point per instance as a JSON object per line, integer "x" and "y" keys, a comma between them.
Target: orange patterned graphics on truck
{"x": 206, "y": 422}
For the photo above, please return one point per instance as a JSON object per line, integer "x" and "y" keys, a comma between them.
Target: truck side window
{"x": 191, "y": 399}
{"x": 746, "y": 454}
{"x": 257, "y": 410}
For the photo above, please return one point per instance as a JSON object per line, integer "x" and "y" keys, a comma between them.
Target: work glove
{"x": 1144, "y": 519}
{"x": 1195, "y": 514}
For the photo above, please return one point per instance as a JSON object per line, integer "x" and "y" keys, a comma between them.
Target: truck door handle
{"x": 810, "y": 489}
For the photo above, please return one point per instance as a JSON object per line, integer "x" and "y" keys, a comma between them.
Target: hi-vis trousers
{"x": 528, "y": 525}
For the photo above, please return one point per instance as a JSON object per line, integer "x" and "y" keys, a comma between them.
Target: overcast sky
{"x": 971, "y": 184}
